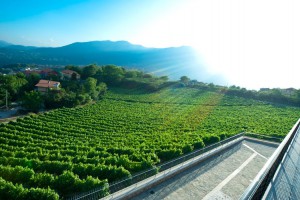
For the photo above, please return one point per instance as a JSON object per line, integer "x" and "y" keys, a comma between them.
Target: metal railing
{"x": 134, "y": 179}
{"x": 261, "y": 182}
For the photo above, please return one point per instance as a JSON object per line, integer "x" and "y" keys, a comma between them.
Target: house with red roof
{"x": 48, "y": 72}
{"x": 44, "y": 86}
{"x": 29, "y": 72}
{"x": 43, "y": 73}
{"x": 68, "y": 74}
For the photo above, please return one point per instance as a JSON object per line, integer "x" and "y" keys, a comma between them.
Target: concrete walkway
{"x": 225, "y": 176}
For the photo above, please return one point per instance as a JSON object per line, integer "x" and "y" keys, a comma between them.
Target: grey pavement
{"x": 225, "y": 176}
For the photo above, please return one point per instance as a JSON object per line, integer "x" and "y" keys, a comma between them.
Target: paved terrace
{"x": 225, "y": 176}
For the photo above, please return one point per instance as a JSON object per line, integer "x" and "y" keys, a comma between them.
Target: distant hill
{"x": 4, "y": 44}
{"x": 174, "y": 62}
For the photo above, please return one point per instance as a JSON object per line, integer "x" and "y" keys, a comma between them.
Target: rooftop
{"x": 67, "y": 71}
{"x": 47, "y": 84}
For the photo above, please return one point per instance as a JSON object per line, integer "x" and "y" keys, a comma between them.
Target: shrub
{"x": 211, "y": 139}
{"x": 42, "y": 180}
{"x": 169, "y": 154}
{"x": 17, "y": 192}
{"x": 66, "y": 183}
{"x": 199, "y": 144}
{"x": 39, "y": 193}
{"x": 187, "y": 148}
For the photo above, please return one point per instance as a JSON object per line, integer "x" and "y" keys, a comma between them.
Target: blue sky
{"x": 252, "y": 44}
{"x": 60, "y": 22}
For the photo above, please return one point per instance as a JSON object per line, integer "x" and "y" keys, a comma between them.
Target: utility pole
{"x": 6, "y": 102}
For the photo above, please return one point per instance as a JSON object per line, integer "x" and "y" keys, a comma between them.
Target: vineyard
{"x": 70, "y": 150}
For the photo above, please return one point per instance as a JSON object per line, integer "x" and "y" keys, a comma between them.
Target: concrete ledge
{"x": 260, "y": 141}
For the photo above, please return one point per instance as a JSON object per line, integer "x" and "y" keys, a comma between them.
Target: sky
{"x": 253, "y": 44}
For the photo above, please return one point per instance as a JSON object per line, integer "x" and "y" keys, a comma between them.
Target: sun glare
{"x": 251, "y": 46}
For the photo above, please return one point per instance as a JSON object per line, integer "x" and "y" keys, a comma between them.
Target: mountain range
{"x": 173, "y": 62}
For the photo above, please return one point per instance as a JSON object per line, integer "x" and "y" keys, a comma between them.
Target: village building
{"x": 70, "y": 74}
{"x": 43, "y": 73}
{"x": 44, "y": 86}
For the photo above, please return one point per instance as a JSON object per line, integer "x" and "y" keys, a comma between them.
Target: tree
{"x": 74, "y": 77}
{"x": 211, "y": 86}
{"x": 298, "y": 94}
{"x": 101, "y": 88}
{"x": 89, "y": 71}
{"x": 131, "y": 74}
{"x": 32, "y": 101}
{"x": 69, "y": 99}
{"x": 112, "y": 74}
{"x": 54, "y": 99}
{"x": 147, "y": 76}
{"x": 184, "y": 79}
{"x": 32, "y": 79}
{"x": 99, "y": 74}
{"x": 90, "y": 85}
{"x": 74, "y": 68}
{"x": 14, "y": 84}
{"x": 70, "y": 85}
{"x": 83, "y": 99}
{"x": 93, "y": 89}
{"x": 164, "y": 78}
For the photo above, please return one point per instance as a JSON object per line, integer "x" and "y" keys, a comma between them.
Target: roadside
{"x": 10, "y": 114}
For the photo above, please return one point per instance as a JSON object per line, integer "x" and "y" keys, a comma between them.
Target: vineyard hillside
{"x": 69, "y": 150}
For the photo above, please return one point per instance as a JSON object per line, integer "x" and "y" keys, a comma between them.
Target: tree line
{"x": 288, "y": 96}
{"x": 91, "y": 86}
{"x": 95, "y": 81}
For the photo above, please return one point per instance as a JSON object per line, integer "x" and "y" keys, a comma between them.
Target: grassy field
{"x": 74, "y": 150}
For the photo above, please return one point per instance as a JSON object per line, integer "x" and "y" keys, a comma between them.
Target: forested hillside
{"x": 172, "y": 62}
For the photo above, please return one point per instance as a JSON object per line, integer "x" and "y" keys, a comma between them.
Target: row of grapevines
{"x": 126, "y": 132}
